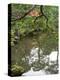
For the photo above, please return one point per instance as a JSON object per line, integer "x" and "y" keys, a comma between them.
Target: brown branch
{"x": 25, "y": 14}
{"x": 41, "y": 14}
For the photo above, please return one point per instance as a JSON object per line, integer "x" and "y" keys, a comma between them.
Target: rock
{"x": 16, "y": 70}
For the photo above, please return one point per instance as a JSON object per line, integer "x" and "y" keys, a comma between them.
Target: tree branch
{"x": 41, "y": 14}
{"x": 25, "y": 14}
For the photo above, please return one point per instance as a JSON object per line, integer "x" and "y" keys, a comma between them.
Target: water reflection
{"x": 34, "y": 73}
{"x": 49, "y": 59}
{"x": 37, "y": 54}
{"x": 33, "y": 55}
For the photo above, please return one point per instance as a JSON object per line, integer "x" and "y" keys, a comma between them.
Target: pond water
{"x": 36, "y": 54}
{"x": 31, "y": 72}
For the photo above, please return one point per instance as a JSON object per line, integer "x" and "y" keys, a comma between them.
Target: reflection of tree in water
{"x": 42, "y": 61}
{"x": 41, "y": 46}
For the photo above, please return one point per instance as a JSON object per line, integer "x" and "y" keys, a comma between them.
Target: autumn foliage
{"x": 34, "y": 13}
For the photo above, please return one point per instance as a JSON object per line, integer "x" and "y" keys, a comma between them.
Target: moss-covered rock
{"x": 17, "y": 70}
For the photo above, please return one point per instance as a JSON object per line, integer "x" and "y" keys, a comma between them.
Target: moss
{"x": 17, "y": 70}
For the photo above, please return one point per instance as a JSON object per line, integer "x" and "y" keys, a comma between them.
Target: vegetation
{"x": 39, "y": 25}
{"x": 16, "y": 70}
{"x": 23, "y": 23}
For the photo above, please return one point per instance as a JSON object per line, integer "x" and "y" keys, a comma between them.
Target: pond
{"x": 37, "y": 54}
